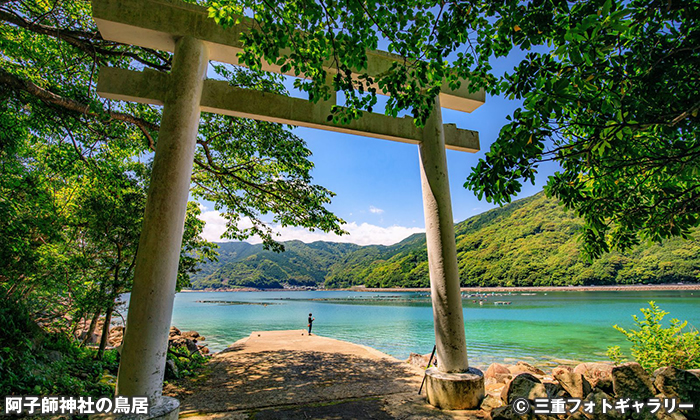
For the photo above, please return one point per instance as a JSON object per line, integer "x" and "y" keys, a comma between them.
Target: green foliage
{"x": 33, "y": 362}
{"x": 187, "y": 364}
{"x": 245, "y": 265}
{"x": 48, "y": 71}
{"x": 613, "y": 99}
{"x": 530, "y": 242}
{"x": 609, "y": 90}
{"x": 655, "y": 346}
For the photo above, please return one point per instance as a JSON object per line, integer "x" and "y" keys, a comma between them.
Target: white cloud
{"x": 362, "y": 234}
{"x": 375, "y": 210}
{"x": 216, "y": 225}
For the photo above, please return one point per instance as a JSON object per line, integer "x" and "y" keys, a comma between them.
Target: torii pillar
{"x": 453, "y": 385}
{"x": 186, "y": 30}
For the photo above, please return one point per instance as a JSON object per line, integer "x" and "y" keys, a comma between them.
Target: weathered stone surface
{"x": 491, "y": 402}
{"x": 631, "y": 381}
{"x": 181, "y": 342}
{"x": 506, "y": 413}
{"x": 116, "y": 335}
{"x": 524, "y": 367}
{"x": 419, "y": 360}
{"x": 562, "y": 368}
{"x": 554, "y": 390}
{"x": 496, "y": 368}
{"x": 174, "y": 331}
{"x": 574, "y": 383}
{"x": 604, "y": 384}
{"x": 193, "y": 335}
{"x": 454, "y": 391}
{"x": 577, "y": 415}
{"x": 503, "y": 378}
{"x": 525, "y": 386}
{"x": 676, "y": 415}
{"x": 597, "y": 397}
{"x": 594, "y": 371}
{"x": 682, "y": 385}
{"x": 494, "y": 389}
{"x": 171, "y": 370}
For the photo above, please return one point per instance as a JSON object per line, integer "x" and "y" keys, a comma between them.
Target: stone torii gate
{"x": 186, "y": 30}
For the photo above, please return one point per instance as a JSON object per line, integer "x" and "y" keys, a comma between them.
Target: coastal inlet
{"x": 537, "y": 327}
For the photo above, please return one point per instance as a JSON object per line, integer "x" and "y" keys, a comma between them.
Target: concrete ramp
{"x": 291, "y": 375}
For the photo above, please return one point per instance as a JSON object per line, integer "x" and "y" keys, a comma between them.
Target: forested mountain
{"x": 530, "y": 242}
{"x": 243, "y": 264}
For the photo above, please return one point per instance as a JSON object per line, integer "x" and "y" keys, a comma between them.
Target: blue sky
{"x": 377, "y": 182}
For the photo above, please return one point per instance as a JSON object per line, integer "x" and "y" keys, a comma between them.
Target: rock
{"x": 554, "y": 390}
{"x": 494, "y": 389}
{"x": 561, "y": 368}
{"x": 174, "y": 332}
{"x": 525, "y": 386}
{"x": 418, "y": 360}
{"x": 597, "y": 396}
{"x": 573, "y": 383}
{"x": 594, "y": 371}
{"x": 524, "y": 367}
{"x": 180, "y": 342}
{"x": 506, "y": 413}
{"x": 203, "y": 349}
{"x": 171, "y": 371}
{"x": 116, "y": 335}
{"x": 577, "y": 415}
{"x": 631, "y": 381}
{"x": 192, "y": 335}
{"x": 491, "y": 402}
{"x": 676, "y": 415}
{"x": 682, "y": 385}
{"x": 503, "y": 378}
{"x": 494, "y": 369}
{"x": 605, "y": 385}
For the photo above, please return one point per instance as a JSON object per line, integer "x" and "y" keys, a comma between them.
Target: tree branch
{"x": 18, "y": 84}
{"x": 82, "y": 40}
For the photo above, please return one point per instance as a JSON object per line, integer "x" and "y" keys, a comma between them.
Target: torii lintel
{"x": 158, "y": 24}
{"x": 220, "y": 98}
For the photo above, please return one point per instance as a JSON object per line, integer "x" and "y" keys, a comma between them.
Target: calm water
{"x": 539, "y": 327}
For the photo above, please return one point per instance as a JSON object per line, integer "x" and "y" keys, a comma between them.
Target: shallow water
{"x": 538, "y": 328}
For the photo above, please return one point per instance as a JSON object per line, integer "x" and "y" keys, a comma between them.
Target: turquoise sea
{"x": 538, "y": 327}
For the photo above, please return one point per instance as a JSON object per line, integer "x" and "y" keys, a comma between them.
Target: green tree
{"x": 609, "y": 91}
{"x": 655, "y": 346}
{"x": 51, "y": 53}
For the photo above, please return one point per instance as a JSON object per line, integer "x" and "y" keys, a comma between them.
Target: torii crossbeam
{"x": 186, "y": 30}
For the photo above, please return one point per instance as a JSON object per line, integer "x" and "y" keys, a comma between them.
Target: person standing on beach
{"x": 311, "y": 322}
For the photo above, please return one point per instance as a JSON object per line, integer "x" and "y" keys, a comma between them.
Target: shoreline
{"x": 495, "y": 289}
{"x": 614, "y": 288}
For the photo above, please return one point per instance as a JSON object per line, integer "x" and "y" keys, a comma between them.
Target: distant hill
{"x": 246, "y": 265}
{"x": 530, "y": 242}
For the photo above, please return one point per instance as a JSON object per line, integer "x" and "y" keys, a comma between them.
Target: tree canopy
{"x": 609, "y": 90}
{"x": 76, "y": 168}
{"x": 52, "y": 51}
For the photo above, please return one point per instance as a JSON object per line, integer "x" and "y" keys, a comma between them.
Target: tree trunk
{"x": 105, "y": 331}
{"x": 91, "y": 330}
